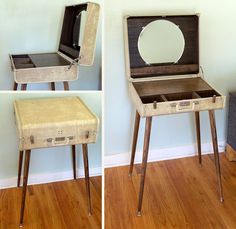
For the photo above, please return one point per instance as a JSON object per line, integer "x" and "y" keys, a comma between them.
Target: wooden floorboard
{"x": 58, "y": 205}
{"x": 178, "y": 194}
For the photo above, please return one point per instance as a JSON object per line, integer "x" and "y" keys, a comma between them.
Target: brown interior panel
{"x": 151, "y": 99}
{"x": 22, "y": 61}
{"x": 205, "y": 94}
{"x": 48, "y": 60}
{"x": 189, "y": 61}
{"x": 173, "y": 90}
{"x": 178, "y": 96}
{"x": 162, "y": 87}
{"x": 71, "y": 30}
{"x": 39, "y": 60}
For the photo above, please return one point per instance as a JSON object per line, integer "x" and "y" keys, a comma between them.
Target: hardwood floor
{"x": 53, "y": 206}
{"x": 177, "y": 194}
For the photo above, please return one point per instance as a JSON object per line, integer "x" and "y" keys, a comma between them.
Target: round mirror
{"x": 161, "y": 41}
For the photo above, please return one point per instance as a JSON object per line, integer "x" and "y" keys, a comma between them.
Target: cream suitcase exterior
{"x": 168, "y": 89}
{"x": 54, "y": 122}
{"x": 76, "y": 47}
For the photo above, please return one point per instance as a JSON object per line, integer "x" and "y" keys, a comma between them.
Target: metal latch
{"x": 32, "y": 139}
{"x": 87, "y": 134}
{"x": 73, "y": 62}
{"x": 155, "y": 104}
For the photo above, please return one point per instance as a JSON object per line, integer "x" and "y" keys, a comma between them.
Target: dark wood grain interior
{"x": 48, "y": 59}
{"x": 67, "y": 44}
{"x": 176, "y": 89}
{"x": 39, "y": 60}
{"x": 22, "y": 61}
{"x": 188, "y": 63}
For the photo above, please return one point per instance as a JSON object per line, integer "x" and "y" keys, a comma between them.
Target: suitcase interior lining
{"x": 173, "y": 90}
{"x": 179, "y": 96}
{"x": 39, "y": 60}
{"x": 22, "y": 61}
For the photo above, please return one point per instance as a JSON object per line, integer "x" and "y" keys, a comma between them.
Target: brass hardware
{"x": 155, "y": 104}
{"x": 73, "y": 62}
{"x": 184, "y": 103}
{"x": 60, "y": 139}
{"x": 214, "y": 98}
{"x": 173, "y": 104}
{"x": 32, "y": 139}
{"x": 87, "y": 134}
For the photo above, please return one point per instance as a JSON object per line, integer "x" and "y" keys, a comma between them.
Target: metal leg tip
{"x": 139, "y": 213}
{"x": 221, "y": 199}
{"x": 130, "y": 175}
{"x": 90, "y": 213}
{"x": 21, "y": 225}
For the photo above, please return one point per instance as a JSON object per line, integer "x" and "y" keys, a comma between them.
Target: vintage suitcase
{"x": 53, "y": 122}
{"x": 164, "y": 77}
{"x": 167, "y": 86}
{"x": 77, "y": 46}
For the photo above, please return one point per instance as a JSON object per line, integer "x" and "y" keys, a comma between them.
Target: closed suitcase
{"x": 167, "y": 87}
{"x": 54, "y": 122}
{"x": 76, "y": 47}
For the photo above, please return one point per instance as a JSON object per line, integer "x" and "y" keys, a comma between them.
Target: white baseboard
{"x": 49, "y": 177}
{"x": 160, "y": 154}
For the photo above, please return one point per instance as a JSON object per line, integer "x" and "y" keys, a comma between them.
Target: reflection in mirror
{"x": 78, "y": 31}
{"x": 83, "y": 15}
{"x": 161, "y": 41}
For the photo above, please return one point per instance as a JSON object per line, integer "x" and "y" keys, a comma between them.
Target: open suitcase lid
{"x": 141, "y": 33}
{"x": 78, "y": 35}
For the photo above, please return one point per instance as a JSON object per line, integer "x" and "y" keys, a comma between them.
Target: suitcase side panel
{"x": 174, "y": 107}
{"x": 59, "y": 135}
{"x": 90, "y": 33}
{"x": 136, "y": 99}
{"x": 18, "y": 125}
{"x": 46, "y": 74}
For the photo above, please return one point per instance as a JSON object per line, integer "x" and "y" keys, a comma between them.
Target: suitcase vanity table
{"x": 43, "y": 123}
{"x": 164, "y": 77}
{"x": 76, "y": 47}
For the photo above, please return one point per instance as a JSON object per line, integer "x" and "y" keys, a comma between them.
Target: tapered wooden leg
{"x": 74, "y": 160}
{"x": 23, "y": 87}
{"x": 15, "y": 86}
{"x": 198, "y": 130}
{"x": 25, "y": 180}
{"x": 21, "y": 153}
{"x": 144, "y": 162}
{"x": 216, "y": 153}
{"x": 53, "y": 86}
{"x": 66, "y": 86}
{"x": 86, "y": 171}
{"x": 135, "y": 137}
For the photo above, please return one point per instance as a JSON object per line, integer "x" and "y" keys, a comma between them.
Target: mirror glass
{"x": 161, "y": 41}
{"x": 83, "y": 16}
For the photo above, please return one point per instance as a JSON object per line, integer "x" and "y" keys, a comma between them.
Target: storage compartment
{"x": 162, "y": 65}
{"x": 76, "y": 47}
{"x": 22, "y": 61}
{"x": 179, "y": 96}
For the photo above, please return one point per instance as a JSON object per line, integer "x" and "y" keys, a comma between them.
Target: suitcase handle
{"x": 60, "y": 141}
{"x": 185, "y": 106}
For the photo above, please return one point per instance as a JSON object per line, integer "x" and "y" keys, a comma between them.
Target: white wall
{"x": 217, "y": 57}
{"x": 56, "y": 160}
{"x": 34, "y": 27}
